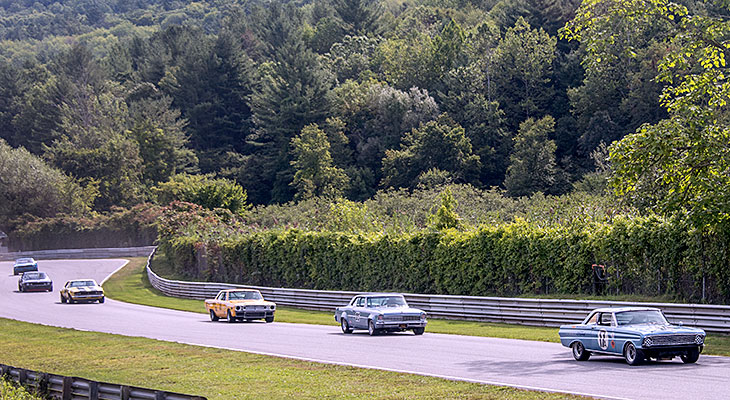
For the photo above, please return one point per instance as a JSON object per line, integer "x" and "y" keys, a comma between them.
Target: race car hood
{"x": 399, "y": 310}
{"x": 85, "y": 289}
{"x": 252, "y": 302}
{"x": 663, "y": 329}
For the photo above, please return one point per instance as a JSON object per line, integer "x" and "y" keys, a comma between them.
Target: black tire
{"x": 633, "y": 355}
{"x": 63, "y": 299}
{"x": 419, "y": 331}
{"x": 101, "y": 300}
{"x": 579, "y": 352}
{"x": 50, "y": 289}
{"x": 371, "y": 328}
{"x": 345, "y": 326}
{"x": 70, "y": 300}
{"x": 229, "y": 318}
{"x": 213, "y": 317}
{"x": 269, "y": 320}
{"x": 691, "y": 357}
{"x": 20, "y": 288}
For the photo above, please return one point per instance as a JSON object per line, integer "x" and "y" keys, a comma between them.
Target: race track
{"x": 537, "y": 365}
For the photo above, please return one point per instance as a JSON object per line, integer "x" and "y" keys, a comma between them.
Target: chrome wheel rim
{"x": 630, "y": 352}
{"x": 343, "y": 323}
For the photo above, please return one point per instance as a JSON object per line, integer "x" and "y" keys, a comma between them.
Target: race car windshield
{"x": 244, "y": 296}
{"x": 651, "y": 317}
{"x": 386, "y": 301}
{"x": 33, "y": 275}
{"x": 82, "y": 283}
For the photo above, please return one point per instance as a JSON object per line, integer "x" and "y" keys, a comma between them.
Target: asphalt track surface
{"x": 525, "y": 364}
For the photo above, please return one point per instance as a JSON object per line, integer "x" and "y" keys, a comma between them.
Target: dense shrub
{"x": 644, "y": 256}
{"x": 117, "y": 228}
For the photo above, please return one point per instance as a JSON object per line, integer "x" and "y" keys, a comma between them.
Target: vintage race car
{"x": 82, "y": 290}
{"x": 34, "y": 280}
{"x": 24, "y": 265}
{"x": 240, "y": 304}
{"x": 380, "y": 312}
{"x": 636, "y": 333}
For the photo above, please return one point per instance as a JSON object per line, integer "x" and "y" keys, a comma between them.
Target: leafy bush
{"x": 646, "y": 256}
{"x": 10, "y": 391}
{"x": 203, "y": 190}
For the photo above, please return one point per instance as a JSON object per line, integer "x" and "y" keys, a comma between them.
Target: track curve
{"x": 526, "y": 364}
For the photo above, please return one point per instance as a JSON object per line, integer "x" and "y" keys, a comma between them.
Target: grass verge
{"x": 130, "y": 284}
{"x": 221, "y": 374}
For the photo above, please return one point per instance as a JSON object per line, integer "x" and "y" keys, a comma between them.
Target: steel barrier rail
{"x": 101, "y": 252}
{"x": 523, "y": 311}
{"x": 68, "y": 388}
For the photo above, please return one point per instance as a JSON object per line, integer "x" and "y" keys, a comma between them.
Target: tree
{"x": 525, "y": 57}
{"x": 314, "y": 172}
{"x": 359, "y": 17}
{"x": 43, "y": 193}
{"x": 445, "y": 217}
{"x": 680, "y": 164}
{"x": 203, "y": 190}
{"x": 532, "y": 162}
{"x": 440, "y": 144}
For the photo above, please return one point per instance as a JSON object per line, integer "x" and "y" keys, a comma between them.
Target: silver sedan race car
{"x": 380, "y": 312}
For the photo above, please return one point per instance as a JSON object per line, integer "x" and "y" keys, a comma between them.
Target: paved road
{"x": 547, "y": 366}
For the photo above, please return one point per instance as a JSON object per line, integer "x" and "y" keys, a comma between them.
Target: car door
{"x": 360, "y": 314}
{"x": 605, "y": 337}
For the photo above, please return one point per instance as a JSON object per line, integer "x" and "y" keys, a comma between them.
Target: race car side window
{"x": 606, "y": 319}
{"x": 593, "y": 320}
{"x": 221, "y": 296}
{"x": 361, "y": 302}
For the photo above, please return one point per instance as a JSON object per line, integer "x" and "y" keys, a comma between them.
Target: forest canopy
{"x": 265, "y": 102}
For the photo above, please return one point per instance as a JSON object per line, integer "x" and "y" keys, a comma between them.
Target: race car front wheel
{"x": 691, "y": 357}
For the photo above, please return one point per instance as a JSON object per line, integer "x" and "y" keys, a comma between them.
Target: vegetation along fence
{"x": 537, "y": 312}
{"x": 68, "y": 388}
{"x": 66, "y": 254}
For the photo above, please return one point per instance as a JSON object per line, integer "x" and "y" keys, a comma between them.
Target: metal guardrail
{"x": 523, "y": 311}
{"x": 72, "y": 388}
{"x": 101, "y": 252}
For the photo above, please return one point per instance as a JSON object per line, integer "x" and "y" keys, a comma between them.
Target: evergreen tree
{"x": 532, "y": 163}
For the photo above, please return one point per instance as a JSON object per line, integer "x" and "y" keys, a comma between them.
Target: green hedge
{"x": 643, "y": 256}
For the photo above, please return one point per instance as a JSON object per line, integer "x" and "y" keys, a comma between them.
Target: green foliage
{"x": 446, "y": 217}
{"x": 315, "y": 174}
{"x": 532, "y": 163}
{"x": 10, "y": 391}
{"x": 440, "y": 144}
{"x": 203, "y": 190}
{"x": 42, "y": 193}
{"x": 644, "y": 256}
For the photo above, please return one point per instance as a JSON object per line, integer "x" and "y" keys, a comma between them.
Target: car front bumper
{"x": 37, "y": 286}
{"x": 87, "y": 297}
{"x": 254, "y": 314}
{"x": 399, "y": 325}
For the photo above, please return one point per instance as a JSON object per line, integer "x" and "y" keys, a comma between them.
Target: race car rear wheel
{"x": 691, "y": 357}
{"x": 213, "y": 317}
{"x": 345, "y": 326}
{"x": 633, "y": 355}
{"x": 579, "y": 352}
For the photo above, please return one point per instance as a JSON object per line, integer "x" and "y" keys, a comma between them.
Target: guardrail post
{"x": 22, "y": 376}
{"x": 160, "y": 395}
{"x": 67, "y": 388}
{"x": 124, "y": 391}
{"x": 93, "y": 390}
{"x": 4, "y": 370}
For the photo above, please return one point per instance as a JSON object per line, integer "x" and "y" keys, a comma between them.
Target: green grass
{"x": 130, "y": 284}
{"x": 220, "y": 374}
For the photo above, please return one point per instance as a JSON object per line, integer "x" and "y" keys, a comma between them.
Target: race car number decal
{"x": 603, "y": 339}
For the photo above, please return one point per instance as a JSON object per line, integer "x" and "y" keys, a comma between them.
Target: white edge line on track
{"x": 400, "y": 371}
{"x": 114, "y": 272}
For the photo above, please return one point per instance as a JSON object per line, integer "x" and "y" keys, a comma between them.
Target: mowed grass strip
{"x": 221, "y": 374}
{"x": 130, "y": 284}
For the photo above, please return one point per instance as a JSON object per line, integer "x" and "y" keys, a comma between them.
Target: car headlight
{"x": 699, "y": 339}
{"x": 423, "y": 316}
{"x": 380, "y": 317}
{"x": 273, "y": 307}
{"x": 648, "y": 342}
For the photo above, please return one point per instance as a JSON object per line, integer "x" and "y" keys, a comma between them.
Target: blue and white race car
{"x": 636, "y": 333}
